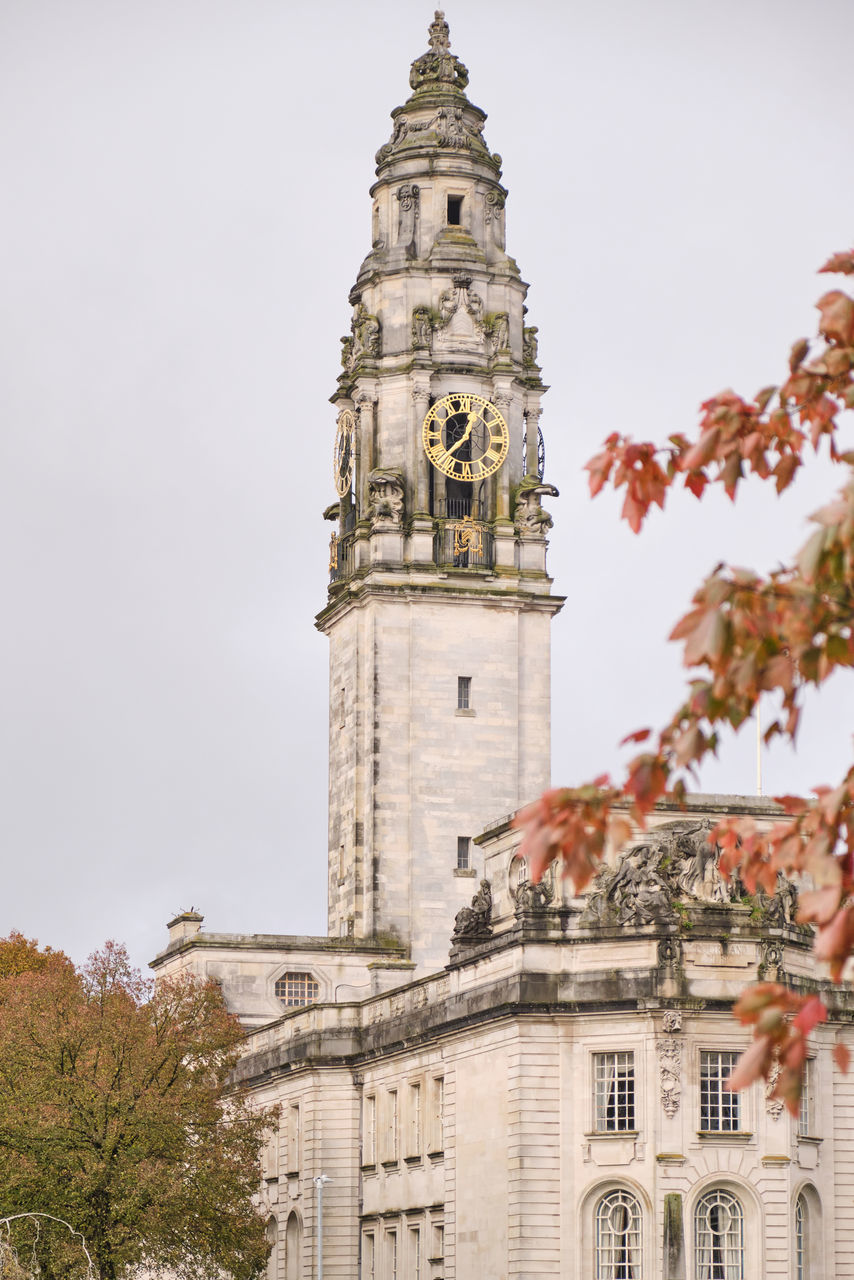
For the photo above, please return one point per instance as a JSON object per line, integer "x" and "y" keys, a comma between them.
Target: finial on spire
{"x": 440, "y": 33}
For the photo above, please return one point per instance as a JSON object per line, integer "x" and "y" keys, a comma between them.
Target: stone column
{"x": 366, "y": 402}
{"x": 504, "y": 401}
{"x": 532, "y": 431}
{"x": 420, "y": 405}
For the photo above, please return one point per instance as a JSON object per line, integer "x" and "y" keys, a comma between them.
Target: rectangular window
{"x": 463, "y": 693}
{"x": 293, "y": 1138}
{"x": 455, "y": 211}
{"x": 806, "y": 1123}
{"x": 370, "y": 1258}
{"x": 369, "y": 1141}
{"x": 391, "y": 1126}
{"x": 415, "y": 1253}
{"x": 438, "y": 1242}
{"x": 614, "y": 1092}
{"x": 391, "y": 1255}
{"x": 718, "y": 1107}
{"x": 270, "y": 1156}
{"x": 414, "y": 1144}
{"x": 463, "y": 853}
{"x": 437, "y": 1106}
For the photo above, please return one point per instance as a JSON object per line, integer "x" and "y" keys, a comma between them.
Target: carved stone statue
{"x": 529, "y": 514}
{"x": 674, "y": 864}
{"x": 534, "y": 897}
{"x": 494, "y": 215}
{"x": 422, "y": 328}
{"x": 475, "y": 921}
{"x": 439, "y": 64}
{"x": 530, "y": 349}
{"x": 408, "y": 200}
{"x": 498, "y": 329}
{"x": 385, "y": 497}
{"x": 366, "y": 334}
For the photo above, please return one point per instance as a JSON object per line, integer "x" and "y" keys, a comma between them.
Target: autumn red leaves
{"x": 746, "y": 635}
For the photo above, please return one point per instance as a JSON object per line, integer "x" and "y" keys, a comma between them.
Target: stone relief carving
{"x": 530, "y": 348}
{"x": 530, "y": 516}
{"x": 493, "y": 216}
{"x": 475, "y": 921}
{"x": 672, "y": 1021}
{"x": 461, "y": 314}
{"x": 496, "y": 326}
{"x": 773, "y": 1106}
{"x": 670, "y": 953}
{"x": 385, "y": 497}
{"x": 408, "y": 196}
{"x": 422, "y": 328}
{"x": 674, "y": 863}
{"x": 366, "y": 334}
{"x": 670, "y": 1074}
{"x": 534, "y": 897}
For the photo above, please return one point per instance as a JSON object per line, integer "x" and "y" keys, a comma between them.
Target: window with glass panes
{"x": 614, "y": 1092}
{"x": 369, "y": 1144}
{"x": 296, "y": 989}
{"x": 415, "y": 1252}
{"x": 718, "y": 1237}
{"x": 618, "y": 1237}
{"x": 805, "y": 1106}
{"x": 415, "y": 1119}
{"x": 801, "y": 1272}
{"x": 719, "y": 1112}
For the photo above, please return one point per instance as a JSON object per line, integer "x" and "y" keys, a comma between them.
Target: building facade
{"x": 496, "y": 1078}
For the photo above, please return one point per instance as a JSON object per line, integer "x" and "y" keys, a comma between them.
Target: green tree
{"x": 746, "y": 635}
{"x": 116, "y": 1115}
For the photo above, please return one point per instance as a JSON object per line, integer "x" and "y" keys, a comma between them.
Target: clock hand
{"x": 464, "y": 436}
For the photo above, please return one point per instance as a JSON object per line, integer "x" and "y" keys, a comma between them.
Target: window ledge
{"x": 810, "y": 1140}
{"x": 598, "y": 1134}
{"x": 669, "y": 1157}
{"x": 775, "y": 1162}
{"x": 410, "y": 1160}
{"x": 725, "y": 1135}
{"x": 390, "y": 1164}
{"x": 369, "y": 1168}
{"x": 465, "y": 872}
{"x": 465, "y": 711}
{"x": 435, "y": 1155}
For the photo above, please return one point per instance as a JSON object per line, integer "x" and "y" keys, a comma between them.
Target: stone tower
{"x": 439, "y": 603}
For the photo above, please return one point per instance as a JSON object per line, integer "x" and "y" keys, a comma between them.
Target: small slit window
{"x": 463, "y": 693}
{"x": 455, "y": 211}
{"x": 297, "y": 989}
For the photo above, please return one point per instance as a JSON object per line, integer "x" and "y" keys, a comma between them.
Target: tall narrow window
{"x": 293, "y": 1138}
{"x": 415, "y": 1253}
{"x": 455, "y": 211}
{"x": 463, "y": 853}
{"x": 463, "y": 693}
{"x": 415, "y": 1119}
{"x": 614, "y": 1092}
{"x": 370, "y": 1256}
{"x": 370, "y": 1136}
{"x": 618, "y": 1237}
{"x": 391, "y": 1137}
{"x": 391, "y": 1254}
{"x": 801, "y": 1265}
{"x": 718, "y": 1237}
{"x": 437, "y": 1106}
{"x": 718, "y": 1107}
{"x": 806, "y": 1122}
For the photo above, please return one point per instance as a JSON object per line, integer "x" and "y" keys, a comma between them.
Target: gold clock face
{"x": 465, "y": 436}
{"x": 342, "y": 468}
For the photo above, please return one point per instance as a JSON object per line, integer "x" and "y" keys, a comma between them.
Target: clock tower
{"x": 439, "y": 604}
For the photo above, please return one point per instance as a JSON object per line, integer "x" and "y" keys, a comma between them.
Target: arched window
{"x": 272, "y": 1234}
{"x": 296, "y": 989}
{"x": 718, "y": 1237}
{"x": 801, "y": 1228}
{"x": 618, "y": 1237}
{"x": 293, "y": 1247}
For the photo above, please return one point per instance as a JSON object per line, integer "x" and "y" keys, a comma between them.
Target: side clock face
{"x": 342, "y": 468}
{"x": 465, "y": 436}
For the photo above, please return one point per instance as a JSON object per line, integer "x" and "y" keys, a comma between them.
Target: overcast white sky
{"x": 184, "y": 208}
